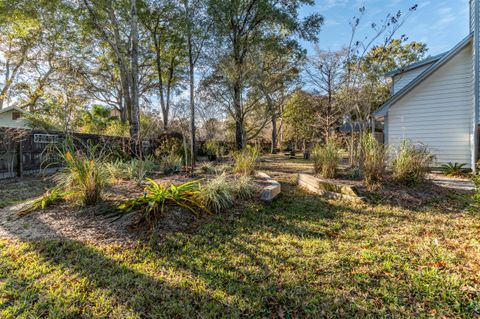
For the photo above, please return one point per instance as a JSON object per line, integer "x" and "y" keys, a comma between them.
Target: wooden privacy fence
{"x": 28, "y": 152}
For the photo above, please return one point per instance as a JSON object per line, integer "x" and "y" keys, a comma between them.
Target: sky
{"x": 441, "y": 24}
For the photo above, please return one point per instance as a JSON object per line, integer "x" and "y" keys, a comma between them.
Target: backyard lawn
{"x": 300, "y": 257}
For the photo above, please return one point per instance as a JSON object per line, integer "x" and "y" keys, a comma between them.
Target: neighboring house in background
{"x": 436, "y": 101}
{"x": 13, "y": 117}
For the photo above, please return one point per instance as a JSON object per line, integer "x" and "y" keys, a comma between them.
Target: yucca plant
{"x": 326, "y": 159}
{"x": 411, "y": 163}
{"x": 454, "y": 169}
{"x": 158, "y": 198}
{"x": 246, "y": 160}
{"x": 374, "y": 157}
{"x": 217, "y": 194}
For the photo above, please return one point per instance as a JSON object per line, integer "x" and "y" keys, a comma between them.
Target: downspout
{"x": 476, "y": 89}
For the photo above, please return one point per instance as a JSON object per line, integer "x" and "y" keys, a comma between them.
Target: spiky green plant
{"x": 82, "y": 173}
{"x": 50, "y": 197}
{"x": 454, "y": 169}
{"x": 171, "y": 163}
{"x": 326, "y": 159}
{"x": 246, "y": 160}
{"x": 158, "y": 198}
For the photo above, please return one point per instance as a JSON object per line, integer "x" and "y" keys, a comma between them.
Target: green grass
{"x": 14, "y": 192}
{"x": 301, "y": 257}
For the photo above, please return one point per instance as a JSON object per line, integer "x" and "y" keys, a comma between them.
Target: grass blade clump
{"x": 411, "y": 163}
{"x": 244, "y": 187}
{"x": 326, "y": 159}
{"x": 374, "y": 159}
{"x": 246, "y": 160}
{"x": 217, "y": 194}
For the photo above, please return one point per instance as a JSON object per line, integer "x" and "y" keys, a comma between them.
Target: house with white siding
{"x": 437, "y": 101}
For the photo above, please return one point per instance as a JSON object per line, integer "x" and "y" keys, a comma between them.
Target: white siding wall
{"x": 402, "y": 79}
{"x": 439, "y": 111}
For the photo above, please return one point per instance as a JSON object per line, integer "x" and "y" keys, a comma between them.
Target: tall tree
{"x": 240, "y": 25}
{"x": 196, "y": 32}
{"x": 117, "y": 25}
{"x": 326, "y": 70}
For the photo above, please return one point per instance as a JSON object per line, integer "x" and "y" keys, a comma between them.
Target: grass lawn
{"x": 300, "y": 257}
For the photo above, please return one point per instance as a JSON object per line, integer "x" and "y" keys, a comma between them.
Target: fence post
{"x": 19, "y": 159}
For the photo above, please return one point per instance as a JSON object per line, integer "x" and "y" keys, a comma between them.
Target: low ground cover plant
{"x": 411, "y": 163}
{"x": 454, "y": 169}
{"x": 326, "y": 159}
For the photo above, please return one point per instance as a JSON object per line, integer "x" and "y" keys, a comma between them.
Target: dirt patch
{"x": 101, "y": 223}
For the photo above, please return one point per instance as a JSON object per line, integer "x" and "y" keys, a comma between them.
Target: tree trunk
{"x": 238, "y": 117}
{"x": 135, "y": 111}
{"x": 192, "y": 111}
{"x": 274, "y": 133}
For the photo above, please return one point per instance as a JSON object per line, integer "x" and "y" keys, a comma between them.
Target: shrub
{"x": 374, "y": 159}
{"x": 217, "y": 194}
{"x": 171, "y": 163}
{"x": 158, "y": 197}
{"x": 411, "y": 163}
{"x": 246, "y": 160}
{"x": 213, "y": 147}
{"x": 244, "y": 187}
{"x": 453, "y": 169}
{"x": 169, "y": 145}
{"x": 326, "y": 159}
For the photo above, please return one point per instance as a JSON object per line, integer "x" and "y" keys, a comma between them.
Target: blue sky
{"x": 438, "y": 23}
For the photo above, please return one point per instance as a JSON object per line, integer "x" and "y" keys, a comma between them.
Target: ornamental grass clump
{"x": 218, "y": 194}
{"x": 246, "y": 160}
{"x": 411, "y": 163}
{"x": 326, "y": 159}
{"x": 244, "y": 188}
{"x": 134, "y": 170}
{"x": 82, "y": 175}
{"x": 374, "y": 157}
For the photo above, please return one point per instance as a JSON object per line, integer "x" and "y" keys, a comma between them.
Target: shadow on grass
{"x": 255, "y": 264}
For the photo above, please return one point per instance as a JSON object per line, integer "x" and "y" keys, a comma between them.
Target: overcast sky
{"x": 439, "y": 23}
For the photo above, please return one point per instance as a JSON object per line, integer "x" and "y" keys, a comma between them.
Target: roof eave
{"x": 383, "y": 110}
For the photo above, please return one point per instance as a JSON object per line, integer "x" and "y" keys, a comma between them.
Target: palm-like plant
{"x": 158, "y": 197}
{"x": 454, "y": 169}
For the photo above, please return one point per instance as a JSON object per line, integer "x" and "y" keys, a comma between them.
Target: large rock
{"x": 329, "y": 189}
{"x": 271, "y": 189}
